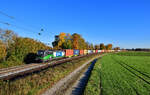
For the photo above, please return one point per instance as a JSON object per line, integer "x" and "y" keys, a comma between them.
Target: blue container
{"x": 76, "y": 52}
{"x": 58, "y": 54}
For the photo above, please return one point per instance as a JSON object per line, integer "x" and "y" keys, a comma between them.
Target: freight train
{"x": 46, "y": 55}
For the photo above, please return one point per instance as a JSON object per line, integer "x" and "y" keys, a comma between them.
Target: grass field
{"x": 125, "y": 73}
{"x": 93, "y": 85}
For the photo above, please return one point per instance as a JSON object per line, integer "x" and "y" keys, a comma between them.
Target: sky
{"x": 124, "y": 23}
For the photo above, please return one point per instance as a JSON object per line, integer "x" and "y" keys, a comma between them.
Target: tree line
{"x": 76, "y": 41}
{"x": 18, "y": 50}
{"x": 139, "y": 49}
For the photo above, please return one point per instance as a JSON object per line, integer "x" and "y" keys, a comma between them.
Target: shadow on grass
{"x": 79, "y": 90}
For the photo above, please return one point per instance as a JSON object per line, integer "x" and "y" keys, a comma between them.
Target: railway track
{"x": 11, "y": 72}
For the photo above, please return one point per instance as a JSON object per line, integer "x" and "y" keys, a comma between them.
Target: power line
{"x": 20, "y": 21}
{"x": 4, "y": 23}
{"x": 11, "y": 17}
{"x": 39, "y": 32}
{"x": 22, "y": 28}
{"x": 16, "y": 26}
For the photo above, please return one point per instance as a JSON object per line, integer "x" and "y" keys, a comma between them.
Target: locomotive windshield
{"x": 44, "y": 53}
{"x": 40, "y": 53}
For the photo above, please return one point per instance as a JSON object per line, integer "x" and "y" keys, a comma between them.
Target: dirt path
{"x": 80, "y": 84}
{"x": 74, "y": 83}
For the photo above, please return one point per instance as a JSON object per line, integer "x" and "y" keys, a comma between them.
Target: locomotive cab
{"x": 44, "y": 55}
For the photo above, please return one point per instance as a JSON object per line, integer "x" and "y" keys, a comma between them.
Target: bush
{"x": 24, "y": 49}
{"x": 2, "y": 51}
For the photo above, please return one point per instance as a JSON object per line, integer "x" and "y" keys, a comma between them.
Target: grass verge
{"x": 93, "y": 86}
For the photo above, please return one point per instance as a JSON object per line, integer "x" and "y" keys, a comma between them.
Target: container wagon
{"x": 85, "y": 52}
{"x": 69, "y": 52}
{"x": 76, "y": 52}
{"x": 99, "y": 51}
{"x": 90, "y": 51}
{"x": 57, "y": 54}
{"x": 81, "y": 52}
{"x": 94, "y": 51}
{"x": 102, "y": 51}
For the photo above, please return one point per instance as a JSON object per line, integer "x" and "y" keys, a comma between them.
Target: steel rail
{"x": 21, "y": 70}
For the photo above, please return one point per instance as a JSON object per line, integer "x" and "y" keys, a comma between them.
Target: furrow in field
{"x": 140, "y": 63}
{"x": 118, "y": 80}
{"x": 134, "y": 71}
{"x": 136, "y": 82}
{"x": 112, "y": 82}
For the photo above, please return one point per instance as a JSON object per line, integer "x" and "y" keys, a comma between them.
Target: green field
{"x": 126, "y": 73}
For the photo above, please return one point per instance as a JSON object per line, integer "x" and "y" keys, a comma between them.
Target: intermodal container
{"x": 102, "y": 51}
{"x": 105, "y": 50}
{"x": 76, "y": 52}
{"x": 96, "y": 51}
{"x": 90, "y": 51}
{"x": 58, "y": 53}
{"x": 99, "y": 51}
{"x": 112, "y": 50}
{"x": 69, "y": 52}
{"x": 81, "y": 52}
{"x": 85, "y": 52}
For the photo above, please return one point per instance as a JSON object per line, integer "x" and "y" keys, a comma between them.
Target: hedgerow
{"x": 15, "y": 50}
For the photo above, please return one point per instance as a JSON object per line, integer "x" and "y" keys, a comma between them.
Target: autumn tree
{"x": 2, "y": 51}
{"x": 81, "y": 43}
{"x": 102, "y": 46}
{"x": 68, "y": 42}
{"x": 109, "y": 47}
{"x": 87, "y": 45}
{"x": 117, "y": 48}
{"x": 23, "y": 47}
{"x": 7, "y": 37}
{"x": 75, "y": 40}
{"x": 59, "y": 40}
{"x": 96, "y": 47}
{"x": 91, "y": 46}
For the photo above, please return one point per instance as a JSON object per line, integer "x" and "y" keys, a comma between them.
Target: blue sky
{"x": 124, "y": 23}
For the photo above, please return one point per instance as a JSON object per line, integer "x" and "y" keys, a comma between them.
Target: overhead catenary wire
{"x": 16, "y": 26}
{"x": 28, "y": 28}
{"x": 11, "y": 17}
{"x": 4, "y": 23}
{"x": 25, "y": 29}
